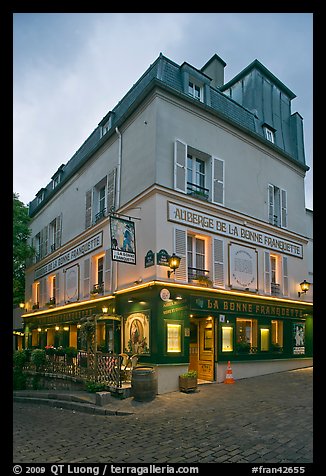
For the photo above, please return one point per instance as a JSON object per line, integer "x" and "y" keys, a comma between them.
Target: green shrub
{"x": 38, "y": 357}
{"x": 71, "y": 351}
{"x": 95, "y": 387}
{"x": 19, "y": 379}
{"x": 19, "y": 358}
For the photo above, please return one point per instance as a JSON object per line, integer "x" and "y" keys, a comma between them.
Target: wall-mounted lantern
{"x": 304, "y": 287}
{"x": 174, "y": 263}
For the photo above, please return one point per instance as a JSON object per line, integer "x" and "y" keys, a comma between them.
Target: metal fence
{"x": 96, "y": 367}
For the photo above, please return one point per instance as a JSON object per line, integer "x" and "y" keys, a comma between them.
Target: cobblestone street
{"x": 266, "y": 419}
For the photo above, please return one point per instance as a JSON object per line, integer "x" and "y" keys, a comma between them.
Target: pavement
{"x": 265, "y": 419}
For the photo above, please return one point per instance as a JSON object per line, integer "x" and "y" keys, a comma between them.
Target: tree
{"x": 21, "y": 249}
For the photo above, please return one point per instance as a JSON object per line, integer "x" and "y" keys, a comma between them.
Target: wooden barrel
{"x": 143, "y": 384}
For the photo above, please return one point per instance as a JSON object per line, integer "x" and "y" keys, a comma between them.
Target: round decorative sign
{"x": 165, "y": 294}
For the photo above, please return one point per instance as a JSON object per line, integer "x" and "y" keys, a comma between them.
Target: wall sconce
{"x": 22, "y": 305}
{"x": 105, "y": 309}
{"x": 304, "y": 287}
{"x": 174, "y": 263}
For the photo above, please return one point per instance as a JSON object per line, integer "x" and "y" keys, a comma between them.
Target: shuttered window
{"x": 180, "y": 249}
{"x": 88, "y": 211}
{"x": 218, "y": 264}
{"x": 217, "y": 181}
{"x": 277, "y": 206}
{"x": 111, "y": 188}
{"x": 86, "y": 279}
{"x": 285, "y": 276}
{"x": 267, "y": 272}
{"x": 107, "y": 271}
{"x": 180, "y": 166}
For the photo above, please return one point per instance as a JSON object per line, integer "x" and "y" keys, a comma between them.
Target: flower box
{"x": 188, "y": 382}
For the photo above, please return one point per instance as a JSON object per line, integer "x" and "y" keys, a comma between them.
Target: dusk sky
{"x": 70, "y": 69}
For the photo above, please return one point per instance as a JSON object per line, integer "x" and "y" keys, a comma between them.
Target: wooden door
{"x": 206, "y": 349}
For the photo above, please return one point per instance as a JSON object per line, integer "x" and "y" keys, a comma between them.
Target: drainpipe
{"x": 117, "y": 203}
{"x": 117, "y": 196}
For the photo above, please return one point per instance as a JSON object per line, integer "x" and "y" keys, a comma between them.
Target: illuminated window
{"x": 246, "y": 334}
{"x": 277, "y": 335}
{"x": 173, "y": 337}
{"x": 227, "y": 339}
{"x": 264, "y": 339}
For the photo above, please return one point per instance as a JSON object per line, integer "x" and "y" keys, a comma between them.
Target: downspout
{"x": 117, "y": 195}
{"x": 117, "y": 201}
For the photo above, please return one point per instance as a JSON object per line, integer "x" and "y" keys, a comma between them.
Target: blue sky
{"x": 70, "y": 69}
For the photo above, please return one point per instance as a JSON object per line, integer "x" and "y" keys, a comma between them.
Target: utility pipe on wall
{"x": 117, "y": 197}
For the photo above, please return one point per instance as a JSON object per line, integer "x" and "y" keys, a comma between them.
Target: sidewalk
{"x": 109, "y": 405}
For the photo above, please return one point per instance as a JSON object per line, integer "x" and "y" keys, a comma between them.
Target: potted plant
{"x": 70, "y": 352}
{"x": 188, "y": 381}
{"x": 243, "y": 347}
{"x": 203, "y": 281}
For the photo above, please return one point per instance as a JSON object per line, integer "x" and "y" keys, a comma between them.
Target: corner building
{"x": 212, "y": 172}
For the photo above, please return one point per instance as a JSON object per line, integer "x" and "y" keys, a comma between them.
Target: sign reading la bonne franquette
{"x": 210, "y": 223}
{"x": 75, "y": 253}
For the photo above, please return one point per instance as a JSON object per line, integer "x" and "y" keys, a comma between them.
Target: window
{"x": 227, "y": 339}
{"x": 269, "y": 134}
{"x": 100, "y": 267}
{"x": 276, "y": 274}
{"x": 246, "y": 335}
{"x": 264, "y": 339}
{"x": 56, "y": 181}
{"x": 37, "y": 246}
{"x": 277, "y": 335}
{"x": 196, "y": 177}
{"x": 195, "y": 91}
{"x": 36, "y": 295}
{"x": 53, "y": 289}
{"x": 277, "y": 206}
{"x": 198, "y": 173}
{"x": 196, "y": 257}
{"x": 53, "y": 233}
{"x": 173, "y": 333}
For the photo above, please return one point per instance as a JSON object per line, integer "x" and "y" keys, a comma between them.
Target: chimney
{"x": 214, "y": 68}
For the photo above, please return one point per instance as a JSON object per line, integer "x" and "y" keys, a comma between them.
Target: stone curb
{"x": 67, "y": 404}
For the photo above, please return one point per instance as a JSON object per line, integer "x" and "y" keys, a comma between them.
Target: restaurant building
{"x": 186, "y": 165}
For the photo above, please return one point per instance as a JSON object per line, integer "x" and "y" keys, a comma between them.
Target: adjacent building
{"x": 210, "y": 171}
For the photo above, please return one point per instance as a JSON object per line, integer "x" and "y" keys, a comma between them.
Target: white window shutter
{"x": 180, "y": 249}
{"x": 218, "y": 262}
{"x": 285, "y": 276}
{"x": 217, "y": 181}
{"x": 267, "y": 272}
{"x": 111, "y": 190}
{"x": 284, "y": 211}
{"x": 86, "y": 277}
{"x": 107, "y": 271}
{"x": 43, "y": 292}
{"x": 271, "y": 204}
{"x": 180, "y": 166}
{"x": 57, "y": 237}
{"x": 57, "y": 288}
{"x": 88, "y": 211}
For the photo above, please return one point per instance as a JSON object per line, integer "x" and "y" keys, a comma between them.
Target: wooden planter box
{"x": 187, "y": 384}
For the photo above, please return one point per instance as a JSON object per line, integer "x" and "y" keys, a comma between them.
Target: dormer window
{"x": 269, "y": 134}
{"x": 195, "y": 91}
{"x": 56, "y": 178}
{"x": 108, "y": 124}
{"x": 56, "y": 181}
{"x": 40, "y": 196}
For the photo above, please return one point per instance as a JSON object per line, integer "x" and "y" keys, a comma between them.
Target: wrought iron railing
{"x": 197, "y": 191}
{"x": 97, "y": 367}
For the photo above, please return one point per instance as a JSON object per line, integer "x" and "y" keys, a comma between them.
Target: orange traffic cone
{"x": 228, "y": 376}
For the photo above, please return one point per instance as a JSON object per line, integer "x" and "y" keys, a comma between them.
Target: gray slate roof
{"x": 166, "y": 74}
